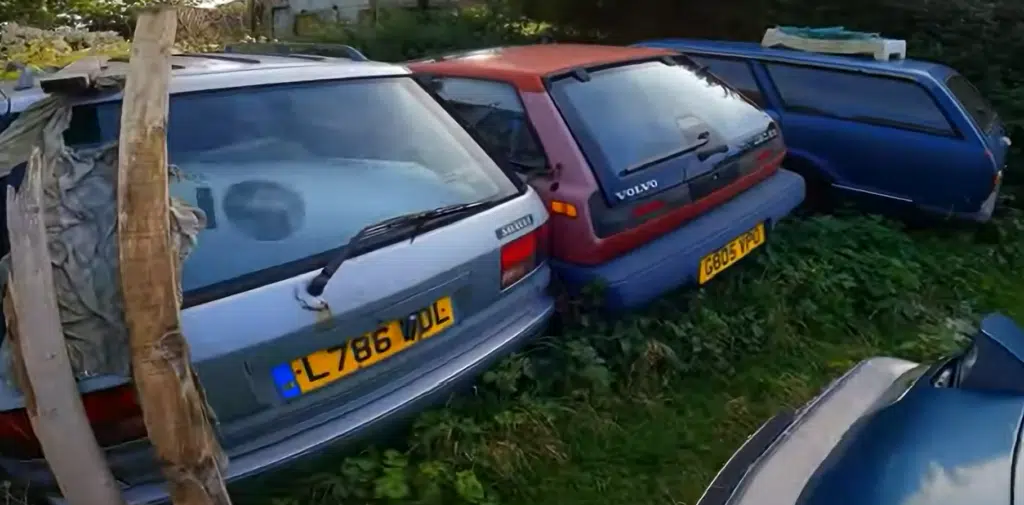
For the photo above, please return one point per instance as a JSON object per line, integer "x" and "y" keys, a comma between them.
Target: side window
{"x": 887, "y": 101}
{"x": 92, "y": 125}
{"x": 6, "y": 120}
{"x": 736, "y": 73}
{"x": 972, "y": 100}
{"x": 495, "y": 113}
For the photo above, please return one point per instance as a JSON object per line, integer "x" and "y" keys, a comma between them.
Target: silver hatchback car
{"x": 328, "y": 179}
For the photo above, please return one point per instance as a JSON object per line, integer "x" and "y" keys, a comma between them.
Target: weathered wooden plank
{"x": 170, "y": 394}
{"x": 76, "y": 76}
{"x": 41, "y": 361}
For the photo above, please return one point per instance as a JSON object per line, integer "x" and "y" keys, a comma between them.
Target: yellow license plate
{"x": 713, "y": 264}
{"x": 330, "y": 365}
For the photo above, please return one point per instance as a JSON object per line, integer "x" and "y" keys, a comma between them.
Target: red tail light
{"x": 523, "y": 255}
{"x": 114, "y": 414}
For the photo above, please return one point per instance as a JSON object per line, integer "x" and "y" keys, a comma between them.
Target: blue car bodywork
{"x": 894, "y": 432}
{"x": 901, "y": 137}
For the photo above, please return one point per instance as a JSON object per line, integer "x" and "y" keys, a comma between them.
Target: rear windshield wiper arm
{"x": 415, "y": 219}
{"x": 702, "y": 140}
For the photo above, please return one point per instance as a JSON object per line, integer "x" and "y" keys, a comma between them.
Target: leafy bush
{"x": 199, "y": 29}
{"x": 24, "y": 45}
{"x": 400, "y": 34}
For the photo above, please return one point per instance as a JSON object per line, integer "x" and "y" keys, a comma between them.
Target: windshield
{"x": 289, "y": 172}
{"x": 628, "y": 115}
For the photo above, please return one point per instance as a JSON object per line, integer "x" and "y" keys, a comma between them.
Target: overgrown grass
{"x": 646, "y": 409}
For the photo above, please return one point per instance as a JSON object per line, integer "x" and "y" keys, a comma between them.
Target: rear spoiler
{"x": 297, "y": 49}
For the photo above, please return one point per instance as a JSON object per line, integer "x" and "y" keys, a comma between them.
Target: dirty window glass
{"x": 972, "y": 100}
{"x": 288, "y": 172}
{"x": 737, "y": 73}
{"x": 872, "y": 99}
{"x": 493, "y": 110}
{"x": 629, "y": 114}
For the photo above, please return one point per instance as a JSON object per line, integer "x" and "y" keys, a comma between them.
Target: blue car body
{"x": 901, "y": 137}
{"x": 894, "y": 432}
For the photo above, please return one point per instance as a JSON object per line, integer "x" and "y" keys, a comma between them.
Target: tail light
{"x": 523, "y": 255}
{"x": 114, "y": 415}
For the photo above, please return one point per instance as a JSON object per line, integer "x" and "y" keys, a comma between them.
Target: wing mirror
{"x": 995, "y": 360}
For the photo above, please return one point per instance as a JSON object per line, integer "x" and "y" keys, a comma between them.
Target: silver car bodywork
{"x": 238, "y": 340}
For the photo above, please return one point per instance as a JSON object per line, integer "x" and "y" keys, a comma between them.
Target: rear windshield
{"x": 972, "y": 100}
{"x": 288, "y": 172}
{"x": 627, "y": 115}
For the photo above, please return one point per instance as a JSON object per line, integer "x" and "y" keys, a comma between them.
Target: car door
{"x": 883, "y": 137}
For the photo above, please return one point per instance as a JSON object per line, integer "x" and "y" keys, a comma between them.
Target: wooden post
{"x": 173, "y": 404}
{"x": 41, "y": 364}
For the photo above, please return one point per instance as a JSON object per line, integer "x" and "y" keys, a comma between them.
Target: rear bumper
{"x": 773, "y": 466}
{"x": 673, "y": 259}
{"x": 982, "y": 215}
{"x": 433, "y": 386}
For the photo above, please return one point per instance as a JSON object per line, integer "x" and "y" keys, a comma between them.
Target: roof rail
{"x": 297, "y": 49}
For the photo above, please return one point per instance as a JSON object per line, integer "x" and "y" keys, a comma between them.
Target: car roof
{"x": 525, "y": 66}
{"x": 210, "y": 71}
{"x": 755, "y": 49}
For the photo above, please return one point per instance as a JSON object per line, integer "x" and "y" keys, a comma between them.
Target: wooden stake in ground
{"x": 172, "y": 402}
{"x": 41, "y": 363}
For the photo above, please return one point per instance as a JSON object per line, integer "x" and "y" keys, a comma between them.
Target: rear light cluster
{"x": 523, "y": 255}
{"x": 114, "y": 414}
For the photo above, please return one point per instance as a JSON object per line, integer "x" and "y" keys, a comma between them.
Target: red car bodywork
{"x": 572, "y": 181}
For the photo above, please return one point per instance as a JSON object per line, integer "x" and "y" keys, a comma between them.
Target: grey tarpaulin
{"x": 80, "y": 199}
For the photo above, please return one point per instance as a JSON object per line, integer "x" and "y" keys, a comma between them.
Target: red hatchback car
{"x": 656, "y": 173}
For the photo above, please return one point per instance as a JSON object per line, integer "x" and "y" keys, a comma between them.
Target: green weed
{"x": 646, "y": 408}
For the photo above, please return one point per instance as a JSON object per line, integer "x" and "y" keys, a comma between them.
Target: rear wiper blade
{"x": 702, "y": 140}
{"x": 417, "y": 220}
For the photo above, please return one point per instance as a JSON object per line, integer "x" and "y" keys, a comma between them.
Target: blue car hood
{"x": 934, "y": 446}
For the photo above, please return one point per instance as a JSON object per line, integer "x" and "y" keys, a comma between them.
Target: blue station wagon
{"x": 311, "y": 312}
{"x": 904, "y": 137}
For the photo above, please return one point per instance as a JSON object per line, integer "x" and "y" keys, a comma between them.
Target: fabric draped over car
{"x": 80, "y": 213}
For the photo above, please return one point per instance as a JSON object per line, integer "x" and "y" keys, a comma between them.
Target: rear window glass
{"x": 493, "y": 110}
{"x": 627, "y": 115}
{"x": 872, "y": 99}
{"x": 736, "y": 73}
{"x": 972, "y": 100}
{"x": 288, "y": 172}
